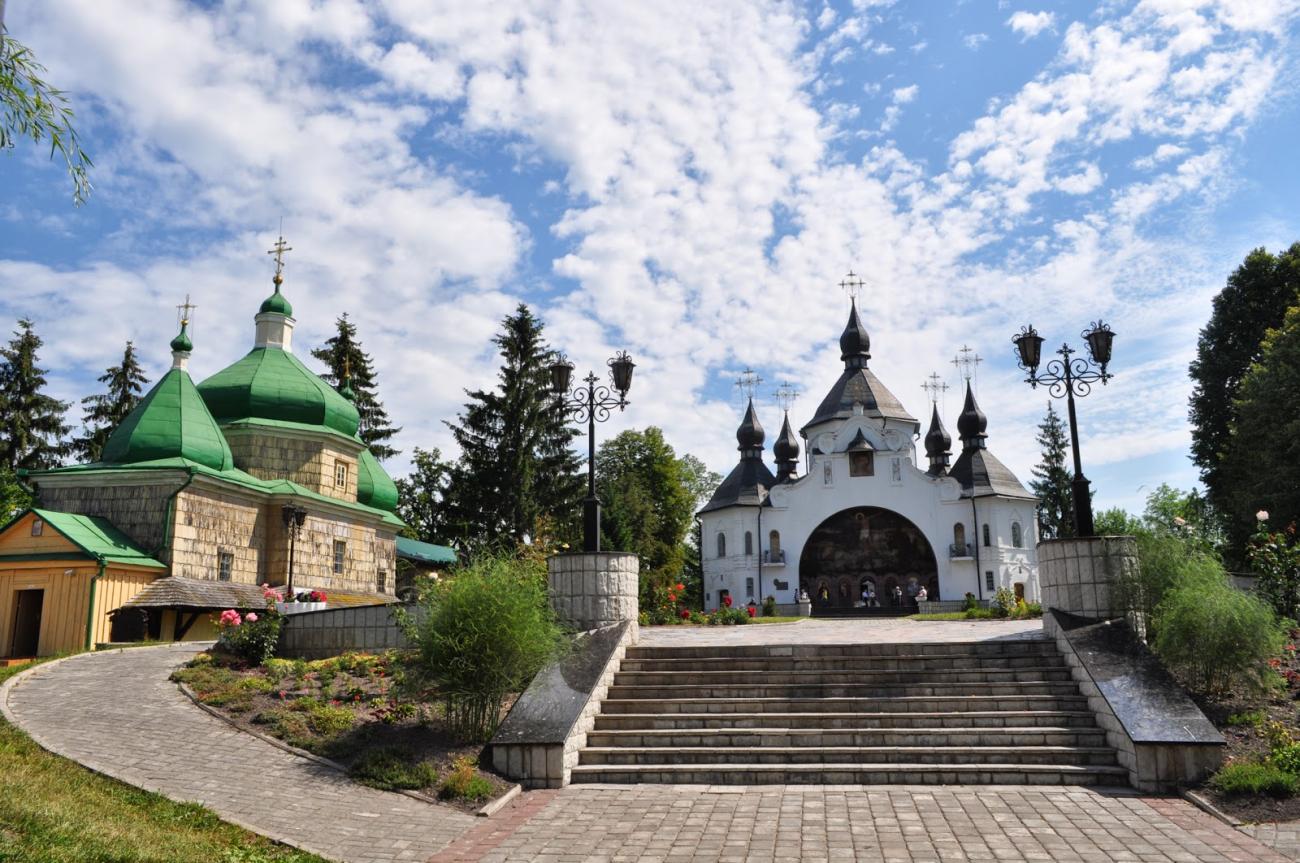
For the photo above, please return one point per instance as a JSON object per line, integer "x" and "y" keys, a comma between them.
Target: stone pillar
{"x": 591, "y": 590}
{"x": 1076, "y": 575}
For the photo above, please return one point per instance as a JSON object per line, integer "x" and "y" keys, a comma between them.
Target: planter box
{"x": 298, "y": 607}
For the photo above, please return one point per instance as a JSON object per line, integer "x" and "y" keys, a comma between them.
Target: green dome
{"x": 171, "y": 421}
{"x": 375, "y": 487}
{"x": 182, "y": 341}
{"x": 273, "y": 384}
{"x": 277, "y": 304}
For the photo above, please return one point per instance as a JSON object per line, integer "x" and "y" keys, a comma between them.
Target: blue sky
{"x": 687, "y": 181}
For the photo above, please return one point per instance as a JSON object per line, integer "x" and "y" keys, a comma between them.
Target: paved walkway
{"x": 117, "y": 713}
{"x": 1283, "y": 836}
{"x": 850, "y": 631}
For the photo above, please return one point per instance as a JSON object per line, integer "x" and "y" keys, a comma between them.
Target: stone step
{"x": 873, "y": 755}
{"x": 1022, "y": 647}
{"x": 853, "y": 774}
{"x": 814, "y": 665}
{"x": 1044, "y": 718}
{"x": 806, "y": 690}
{"x": 873, "y": 676}
{"x": 901, "y": 704}
{"x": 784, "y": 737}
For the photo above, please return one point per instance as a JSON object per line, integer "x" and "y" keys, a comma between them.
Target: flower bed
{"x": 351, "y": 709}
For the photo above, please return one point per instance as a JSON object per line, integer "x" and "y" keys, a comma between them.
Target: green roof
{"x": 182, "y": 341}
{"x": 276, "y": 304}
{"x": 171, "y": 421}
{"x": 271, "y": 383}
{"x": 374, "y": 486}
{"x": 97, "y": 537}
{"x": 424, "y": 552}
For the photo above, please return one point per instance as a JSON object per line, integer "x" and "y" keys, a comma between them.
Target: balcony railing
{"x": 777, "y": 558}
{"x": 961, "y": 550}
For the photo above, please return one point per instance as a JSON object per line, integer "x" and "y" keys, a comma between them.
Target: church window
{"x": 225, "y": 563}
{"x": 987, "y": 537}
{"x": 38, "y": 527}
{"x": 862, "y": 464}
{"x": 381, "y": 581}
{"x": 826, "y": 473}
{"x": 749, "y": 588}
{"x": 959, "y": 536}
{"x": 774, "y": 546}
{"x": 340, "y": 474}
{"x": 340, "y": 552}
{"x": 749, "y": 543}
{"x": 1017, "y": 539}
{"x": 988, "y": 581}
{"x": 896, "y": 470}
{"x": 722, "y": 545}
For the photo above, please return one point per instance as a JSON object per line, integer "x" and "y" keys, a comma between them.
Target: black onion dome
{"x": 937, "y": 439}
{"x": 854, "y": 341}
{"x": 786, "y": 447}
{"x": 750, "y": 435}
{"x": 972, "y": 422}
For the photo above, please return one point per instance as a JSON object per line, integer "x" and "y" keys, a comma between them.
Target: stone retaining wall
{"x": 319, "y": 634}
{"x": 1076, "y": 574}
{"x": 593, "y": 590}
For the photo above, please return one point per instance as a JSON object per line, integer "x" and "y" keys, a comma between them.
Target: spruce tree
{"x": 343, "y": 352}
{"x": 517, "y": 470}
{"x": 1051, "y": 482}
{"x": 104, "y": 411}
{"x": 32, "y": 435}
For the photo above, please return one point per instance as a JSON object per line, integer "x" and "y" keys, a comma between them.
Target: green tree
{"x": 342, "y": 352}
{"x": 1252, "y": 302}
{"x": 517, "y": 470}
{"x": 1261, "y": 465}
{"x": 1051, "y": 482}
{"x": 421, "y": 496}
{"x": 701, "y": 482}
{"x": 647, "y": 505}
{"x": 33, "y": 432}
{"x": 104, "y": 411}
{"x": 32, "y": 108}
{"x": 14, "y": 498}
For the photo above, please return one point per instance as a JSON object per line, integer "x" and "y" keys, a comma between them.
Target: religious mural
{"x": 860, "y": 555}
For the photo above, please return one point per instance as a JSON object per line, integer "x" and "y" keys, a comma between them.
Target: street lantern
{"x": 592, "y": 403}
{"x": 1068, "y": 377}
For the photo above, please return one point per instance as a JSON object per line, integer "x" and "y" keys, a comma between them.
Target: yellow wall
{"x": 63, "y": 607}
{"x": 18, "y": 539}
{"x": 116, "y": 587}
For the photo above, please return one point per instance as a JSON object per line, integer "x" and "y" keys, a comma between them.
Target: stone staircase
{"x": 984, "y": 712}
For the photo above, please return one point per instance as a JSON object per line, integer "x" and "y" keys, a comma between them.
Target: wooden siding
{"x": 18, "y": 539}
{"x": 66, "y": 587}
{"x": 116, "y": 587}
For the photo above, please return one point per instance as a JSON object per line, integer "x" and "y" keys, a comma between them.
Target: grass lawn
{"x": 761, "y": 619}
{"x": 55, "y": 811}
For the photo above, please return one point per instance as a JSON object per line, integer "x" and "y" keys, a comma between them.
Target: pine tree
{"x": 343, "y": 352}
{"x": 1051, "y": 482}
{"x": 517, "y": 470}
{"x": 421, "y": 496}
{"x": 105, "y": 411}
{"x": 32, "y": 435}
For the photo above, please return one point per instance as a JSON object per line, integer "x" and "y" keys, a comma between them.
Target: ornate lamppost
{"x": 1070, "y": 376}
{"x": 591, "y": 403}
{"x": 294, "y": 518}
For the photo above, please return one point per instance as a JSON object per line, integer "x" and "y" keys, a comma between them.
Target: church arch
{"x": 865, "y": 543}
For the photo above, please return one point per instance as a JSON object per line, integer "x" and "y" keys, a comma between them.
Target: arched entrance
{"x": 865, "y": 544}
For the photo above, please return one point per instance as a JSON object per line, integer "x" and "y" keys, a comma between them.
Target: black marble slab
{"x": 1147, "y": 701}
{"x": 553, "y": 702}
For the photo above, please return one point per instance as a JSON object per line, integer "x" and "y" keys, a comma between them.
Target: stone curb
{"x": 1210, "y": 809}
{"x": 489, "y": 808}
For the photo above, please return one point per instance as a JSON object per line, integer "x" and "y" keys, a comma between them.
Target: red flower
{"x": 1275, "y": 663}
{"x": 681, "y": 587}
{"x": 672, "y": 597}
{"x": 686, "y": 614}
{"x": 726, "y": 600}
{"x": 751, "y": 610}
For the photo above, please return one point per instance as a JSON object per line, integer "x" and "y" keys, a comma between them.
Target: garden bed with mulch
{"x": 1254, "y": 725}
{"x": 353, "y": 710}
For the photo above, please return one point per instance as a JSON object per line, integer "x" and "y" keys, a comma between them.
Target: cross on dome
{"x": 852, "y": 284}
{"x": 748, "y": 382}
{"x": 184, "y": 310}
{"x": 785, "y": 396}
{"x": 967, "y": 362}
{"x": 278, "y": 250}
{"x": 934, "y": 387}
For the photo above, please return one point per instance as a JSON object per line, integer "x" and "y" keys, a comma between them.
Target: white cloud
{"x": 1030, "y": 24}
{"x": 903, "y": 95}
{"x": 975, "y": 41}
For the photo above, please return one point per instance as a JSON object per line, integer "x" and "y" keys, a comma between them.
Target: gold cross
{"x": 278, "y": 251}
{"x": 185, "y": 308}
{"x": 852, "y": 284}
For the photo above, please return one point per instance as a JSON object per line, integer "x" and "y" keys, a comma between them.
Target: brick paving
{"x": 1282, "y": 835}
{"x": 117, "y": 713}
{"x": 842, "y": 631}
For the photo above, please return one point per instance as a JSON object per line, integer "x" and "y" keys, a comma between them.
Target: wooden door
{"x": 27, "y": 623}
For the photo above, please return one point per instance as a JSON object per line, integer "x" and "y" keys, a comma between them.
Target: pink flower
{"x": 230, "y": 617}
{"x": 252, "y": 617}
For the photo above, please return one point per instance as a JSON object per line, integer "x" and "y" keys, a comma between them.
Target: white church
{"x": 867, "y": 517}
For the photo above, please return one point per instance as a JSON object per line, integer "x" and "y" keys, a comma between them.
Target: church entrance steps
{"x": 833, "y": 737}
{"x": 828, "y": 720}
{"x": 980, "y": 712}
{"x": 853, "y": 774}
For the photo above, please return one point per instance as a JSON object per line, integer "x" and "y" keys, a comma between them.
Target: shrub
{"x": 769, "y": 606}
{"x": 970, "y": 603}
{"x": 389, "y": 769}
{"x": 488, "y": 631}
{"x": 1214, "y": 635}
{"x": 1165, "y": 562}
{"x": 252, "y": 637}
{"x": 328, "y": 720}
{"x": 464, "y": 783}
{"x": 1252, "y": 777}
{"x": 1288, "y": 758}
{"x": 1004, "y": 602}
{"x": 1253, "y": 718}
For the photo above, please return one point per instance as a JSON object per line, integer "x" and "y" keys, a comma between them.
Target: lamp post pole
{"x": 593, "y": 403}
{"x": 294, "y": 517}
{"x": 1068, "y": 377}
